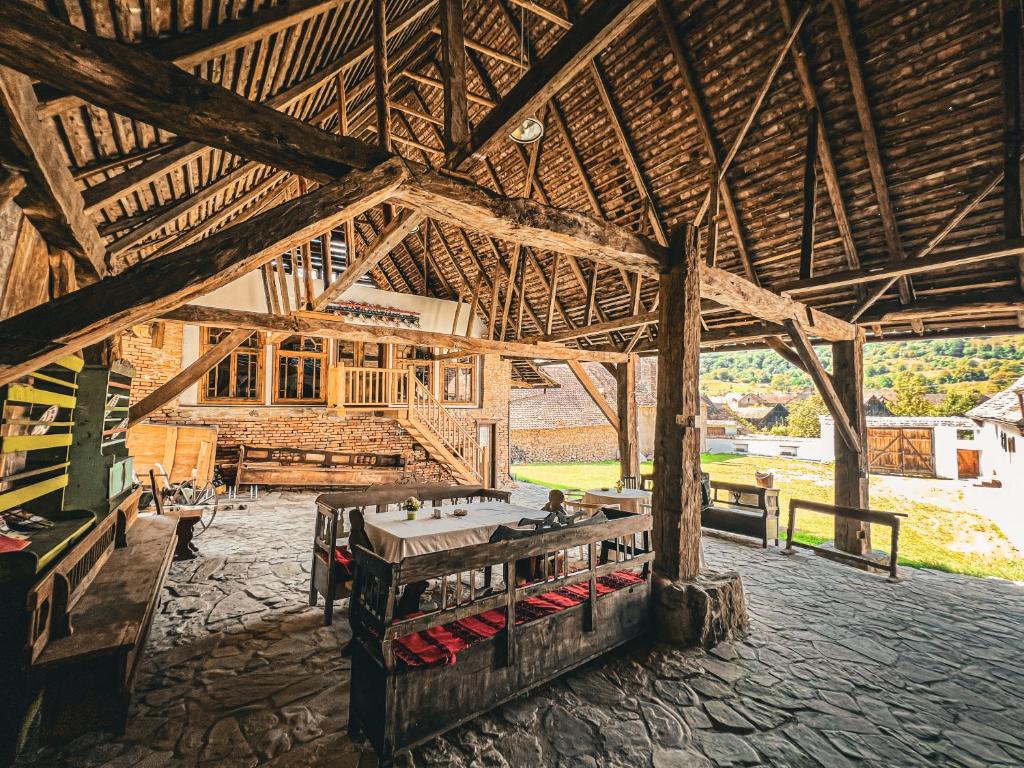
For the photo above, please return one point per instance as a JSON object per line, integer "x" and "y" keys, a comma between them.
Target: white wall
{"x": 999, "y": 464}
{"x": 807, "y": 448}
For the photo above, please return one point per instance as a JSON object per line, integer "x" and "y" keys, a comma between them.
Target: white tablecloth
{"x": 628, "y": 499}
{"x": 394, "y": 537}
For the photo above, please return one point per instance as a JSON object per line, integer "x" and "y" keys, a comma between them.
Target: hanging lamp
{"x": 530, "y": 129}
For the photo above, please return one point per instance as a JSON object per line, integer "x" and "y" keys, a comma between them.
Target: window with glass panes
{"x": 238, "y": 378}
{"x": 458, "y": 381}
{"x": 418, "y": 357}
{"x": 299, "y": 364}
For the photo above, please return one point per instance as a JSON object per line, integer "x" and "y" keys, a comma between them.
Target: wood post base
{"x": 702, "y": 612}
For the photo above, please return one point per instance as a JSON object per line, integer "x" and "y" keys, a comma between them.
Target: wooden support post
{"x": 553, "y": 295}
{"x": 676, "y": 502}
{"x": 810, "y": 197}
{"x": 711, "y": 258}
{"x": 851, "y": 470}
{"x": 453, "y": 74}
{"x": 625, "y": 402}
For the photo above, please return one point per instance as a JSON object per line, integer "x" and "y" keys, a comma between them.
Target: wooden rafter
{"x": 50, "y": 197}
{"x": 594, "y": 391}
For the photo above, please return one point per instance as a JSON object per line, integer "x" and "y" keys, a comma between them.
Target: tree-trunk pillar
{"x": 851, "y": 472}
{"x": 625, "y": 401}
{"x": 676, "y": 502}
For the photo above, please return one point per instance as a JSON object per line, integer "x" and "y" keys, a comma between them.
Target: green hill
{"x": 940, "y": 366}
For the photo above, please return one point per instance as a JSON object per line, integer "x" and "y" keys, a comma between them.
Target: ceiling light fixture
{"x": 530, "y": 129}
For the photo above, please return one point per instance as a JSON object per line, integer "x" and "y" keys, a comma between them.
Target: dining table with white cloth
{"x": 395, "y": 537}
{"x": 628, "y": 499}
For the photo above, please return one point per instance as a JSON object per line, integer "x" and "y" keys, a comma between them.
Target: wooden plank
{"x": 595, "y": 393}
{"x": 1011, "y": 60}
{"x": 453, "y": 75}
{"x": 188, "y": 376}
{"x": 50, "y": 197}
{"x": 824, "y": 384}
{"x": 592, "y": 32}
{"x": 152, "y": 287}
{"x": 381, "y": 77}
{"x": 870, "y": 137}
{"x": 959, "y": 257}
{"x": 810, "y": 197}
{"x": 676, "y": 499}
{"x": 322, "y": 324}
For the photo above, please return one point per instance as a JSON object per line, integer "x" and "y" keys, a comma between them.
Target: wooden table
{"x": 394, "y": 537}
{"x": 628, "y": 499}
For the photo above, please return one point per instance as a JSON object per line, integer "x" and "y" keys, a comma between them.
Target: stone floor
{"x": 841, "y": 669}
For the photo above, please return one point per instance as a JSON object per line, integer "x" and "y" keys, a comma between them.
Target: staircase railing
{"x": 355, "y": 387}
{"x": 453, "y": 433}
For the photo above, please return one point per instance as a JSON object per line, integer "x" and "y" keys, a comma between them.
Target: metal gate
{"x": 902, "y": 451}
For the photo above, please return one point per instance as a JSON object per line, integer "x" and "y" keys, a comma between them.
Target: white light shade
{"x": 528, "y": 131}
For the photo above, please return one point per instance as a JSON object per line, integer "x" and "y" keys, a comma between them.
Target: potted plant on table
{"x": 411, "y": 506}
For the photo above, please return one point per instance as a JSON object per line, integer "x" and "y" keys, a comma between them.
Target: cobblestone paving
{"x": 841, "y": 669}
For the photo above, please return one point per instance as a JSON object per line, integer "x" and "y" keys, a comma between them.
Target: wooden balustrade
{"x": 356, "y": 387}
{"x": 460, "y": 439}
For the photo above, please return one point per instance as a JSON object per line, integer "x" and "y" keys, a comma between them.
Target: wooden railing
{"x": 456, "y": 436}
{"x": 352, "y": 387}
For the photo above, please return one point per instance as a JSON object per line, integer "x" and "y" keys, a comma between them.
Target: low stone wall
{"x": 597, "y": 443}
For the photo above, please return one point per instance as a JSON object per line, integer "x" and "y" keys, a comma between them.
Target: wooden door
{"x": 485, "y": 436}
{"x": 902, "y": 451}
{"x": 968, "y": 463}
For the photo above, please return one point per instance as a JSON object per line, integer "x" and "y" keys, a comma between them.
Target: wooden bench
{"x": 328, "y": 576}
{"x": 407, "y": 689}
{"x": 88, "y": 675}
{"x": 745, "y": 510}
{"x": 301, "y": 467}
{"x": 891, "y": 519}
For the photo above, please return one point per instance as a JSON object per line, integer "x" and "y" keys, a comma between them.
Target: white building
{"x": 1001, "y": 434}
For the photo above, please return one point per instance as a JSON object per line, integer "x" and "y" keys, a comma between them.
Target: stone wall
{"x": 594, "y": 443}
{"x": 310, "y": 427}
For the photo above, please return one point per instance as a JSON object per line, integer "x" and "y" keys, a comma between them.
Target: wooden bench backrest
{"x": 377, "y": 581}
{"x": 384, "y": 495}
{"x": 753, "y": 497}
{"x": 251, "y": 454}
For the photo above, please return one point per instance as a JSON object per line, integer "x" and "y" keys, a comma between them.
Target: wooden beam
{"x": 702, "y": 116}
{"x": 389, "y": 238}
{"x": 544, "y": 13}
{"x": 825, "y": 157}
{"x": 188, "y": 376}
{"x": 1011, "y": 60}
{"x": 870, "y": 137}
{"x": 595, "y": 393}
{"x": 381, "y": 77}
{"x": 786, "y": 352}
{"x": 322, "y": 324}
{"x": 433, "y": 82}
{"x": 453, "y": 75}
{"x": 625, "y": 406}
{"x": 676, "y": 501}
{"x": 851, "y": 466}
{"x": 810, "y": 197}
{"x": 593, "y": 31}
{"x": 149, "y": 288}
{"x": 959, "y": 257}
{"x": 486, "y": 50}
{"x": 823, "y": 383}
{"x": 620, "y": 324}
{"x": 50, "y": 197}
{"x": 189, "y": 50}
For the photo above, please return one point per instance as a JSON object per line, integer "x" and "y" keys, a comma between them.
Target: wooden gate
{"x": 968, "y": 463}
{"x": 901, "y": 451}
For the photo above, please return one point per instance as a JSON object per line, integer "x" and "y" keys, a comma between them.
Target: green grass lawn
{"x": 932, "y": 536}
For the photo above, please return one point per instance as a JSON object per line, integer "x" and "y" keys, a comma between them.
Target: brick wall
{"x": 310, "y": 427}
{"x": 595, "y": 443}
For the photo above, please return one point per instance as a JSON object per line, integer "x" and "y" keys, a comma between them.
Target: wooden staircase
{"x": 397, "y": 391}
{"x": 445, "y": 438}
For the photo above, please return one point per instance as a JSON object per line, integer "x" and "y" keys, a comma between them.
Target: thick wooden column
{"x": 453, "y": 74}
{"x": 676, "y": 500}
{"x": 625, "y": 403}
{"x": 851, "y": 472}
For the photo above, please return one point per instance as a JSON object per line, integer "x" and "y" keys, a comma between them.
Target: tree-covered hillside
{"x": 984, "y": 365}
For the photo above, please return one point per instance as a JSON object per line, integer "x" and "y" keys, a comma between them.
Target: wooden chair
{"x": 631, "y": 481}
{"x": 332, "y": 569}
{"x": 647, "y": 482}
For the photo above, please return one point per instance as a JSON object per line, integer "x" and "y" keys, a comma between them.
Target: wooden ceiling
{"x": 912, "y": 130}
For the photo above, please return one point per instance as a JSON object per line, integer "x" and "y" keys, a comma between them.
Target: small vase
{"x": 410, "y": 514}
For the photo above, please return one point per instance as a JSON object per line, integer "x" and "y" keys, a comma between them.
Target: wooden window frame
{"x": 323, "y": 356}
{"x": 261, "y": 353}
{"x": 474, "y": 366}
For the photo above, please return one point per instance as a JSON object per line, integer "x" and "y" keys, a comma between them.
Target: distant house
{"x": 763, "y": 417}
{"x": 1000, "y": 436}
{"x": 877, "y": 405}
